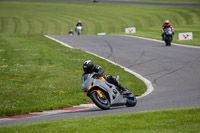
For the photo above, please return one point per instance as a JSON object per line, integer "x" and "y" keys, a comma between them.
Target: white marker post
{"x": 185, "y": 36}
{"x": 130, "y": 30}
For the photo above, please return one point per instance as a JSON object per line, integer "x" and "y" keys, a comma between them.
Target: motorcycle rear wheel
{"x": 102, "y": 103}
{"x": 131, "y": 101}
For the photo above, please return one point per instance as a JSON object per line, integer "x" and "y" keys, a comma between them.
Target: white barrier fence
{"x": 130, "y": 30}
{"x": 101, "y": 34}
{"x": 185, "y": 36}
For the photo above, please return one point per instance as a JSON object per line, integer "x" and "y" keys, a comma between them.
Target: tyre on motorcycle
{"x": 78, "y": 30}
{"x": 168, "y": 36}
{"x": 102, "y": 102}
{"x": 131, "y": 101}
{"x": 168, "y": 40}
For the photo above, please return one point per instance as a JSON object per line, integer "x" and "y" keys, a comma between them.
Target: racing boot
{"x": 123, "y": 89}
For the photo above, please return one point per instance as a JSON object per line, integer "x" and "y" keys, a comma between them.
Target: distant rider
{"x": 79, "y": 24}
{"x": 71, "y": 32}
{"x": 166, "y": 25}
{"x": 89, "y": 68}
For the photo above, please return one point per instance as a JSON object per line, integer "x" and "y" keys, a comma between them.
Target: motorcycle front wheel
{"x": 101, "y": 102}
{"x": 168, "y": 40}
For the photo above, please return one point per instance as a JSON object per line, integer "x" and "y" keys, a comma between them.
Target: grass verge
{"x": 164, "y": 121}
{"x": 39, "y": 74}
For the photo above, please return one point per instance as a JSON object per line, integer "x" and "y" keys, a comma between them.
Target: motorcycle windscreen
{"x": 86, "y": 81}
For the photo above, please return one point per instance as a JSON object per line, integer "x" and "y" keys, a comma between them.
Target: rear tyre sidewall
{"x": 131, "y": 101}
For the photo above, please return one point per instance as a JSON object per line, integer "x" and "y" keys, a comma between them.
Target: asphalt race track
{"x": 174, "y": 72}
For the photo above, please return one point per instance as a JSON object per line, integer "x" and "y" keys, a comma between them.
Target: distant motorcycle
{"x": 168, "y": 36}
{"x": 79, "y": 30}
{"x": 71, "y": 33}
{"x": 104, "y": 94}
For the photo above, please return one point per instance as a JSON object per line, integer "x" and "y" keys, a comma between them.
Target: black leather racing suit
{"x": 78, "y": 24}
{"x": 110, "y": 79}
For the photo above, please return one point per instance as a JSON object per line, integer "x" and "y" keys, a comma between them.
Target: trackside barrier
{"x": 100, "y": 34}
{"x": 130, "y": 30}
{"x": 185, "y": 36}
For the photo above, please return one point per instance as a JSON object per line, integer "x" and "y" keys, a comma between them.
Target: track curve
{"x": 174, "y": 72}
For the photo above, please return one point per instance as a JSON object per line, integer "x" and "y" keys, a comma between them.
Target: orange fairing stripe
{"x": 90, "y": 86}
{"x": 101, "y": 78}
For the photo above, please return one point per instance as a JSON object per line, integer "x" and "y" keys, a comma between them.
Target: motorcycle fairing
{"x": 98, "y": 84}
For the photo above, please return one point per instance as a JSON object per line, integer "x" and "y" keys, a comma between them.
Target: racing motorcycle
{"x": 79, "y": 30}
{"x": 106, "y": 95}
{"x": 168, "y": 33}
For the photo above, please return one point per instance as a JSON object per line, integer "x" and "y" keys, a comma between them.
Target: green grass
{"x": 59, "y": 18}
{"x": 38, "y": 74}
{"x": 164, "y": 121}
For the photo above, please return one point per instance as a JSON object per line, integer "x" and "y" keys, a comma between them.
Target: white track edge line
{"x": 176, "y": 44}
{"x": 59, "y": 41}
{"x": 146, "y": 81}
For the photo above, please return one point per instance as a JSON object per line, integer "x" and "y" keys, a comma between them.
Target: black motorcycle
{"x": 168, "y": 36}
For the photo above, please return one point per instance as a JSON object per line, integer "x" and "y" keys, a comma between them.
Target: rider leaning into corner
{"x": 89, "y": 68}
{"x": 166, "y": 25}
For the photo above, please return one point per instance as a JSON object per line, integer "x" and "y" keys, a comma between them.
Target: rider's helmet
{"x": 88, "y": 66}
{"x": 166, "y": 22}
{"x": 79, "y": 21}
